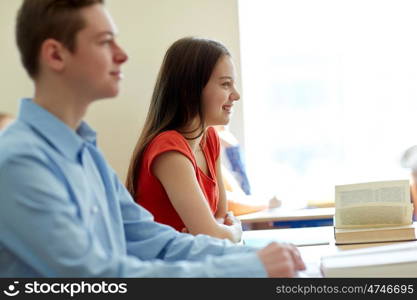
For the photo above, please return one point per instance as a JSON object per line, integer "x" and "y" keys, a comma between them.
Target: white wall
{"x": 147, "y": 28}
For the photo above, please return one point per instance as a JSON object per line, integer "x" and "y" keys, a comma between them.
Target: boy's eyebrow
{"x": 111, "y": 33}
{"x": 226, "y": 77}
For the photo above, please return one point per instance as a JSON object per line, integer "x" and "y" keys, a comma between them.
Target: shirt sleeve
{"x": 193, "y": 256}
{"x": 40, "y": 225}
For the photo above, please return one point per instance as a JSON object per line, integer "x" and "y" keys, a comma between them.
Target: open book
{"x": 373, "y": 204}
{"x": 397, "y": 260}
{"x": 373, "y": 212}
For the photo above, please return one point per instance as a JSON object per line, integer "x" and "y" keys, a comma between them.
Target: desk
{"x": 265, "y": 218}
{"x": 308, "y": 236}
{"x": 312, "y": 242}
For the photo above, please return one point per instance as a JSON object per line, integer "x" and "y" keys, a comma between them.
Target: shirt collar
{"x": 67, "y": 141}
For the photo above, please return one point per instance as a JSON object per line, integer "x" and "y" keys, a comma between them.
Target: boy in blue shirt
{"x": 64, "y": 212}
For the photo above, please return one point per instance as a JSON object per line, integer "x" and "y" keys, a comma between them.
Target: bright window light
{"x": 329, "y": 93}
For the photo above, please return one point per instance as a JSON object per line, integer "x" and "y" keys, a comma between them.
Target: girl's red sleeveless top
{"x": 150, "y": 192}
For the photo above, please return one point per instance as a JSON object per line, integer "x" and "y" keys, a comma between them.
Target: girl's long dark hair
{"x": 176, "y": 98}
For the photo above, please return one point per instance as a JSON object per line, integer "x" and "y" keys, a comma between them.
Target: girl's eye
{"x": 226, "y": 84}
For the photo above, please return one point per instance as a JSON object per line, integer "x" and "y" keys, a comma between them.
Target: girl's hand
{"x": 220, "y": 220}
{"x": 230, "y": 219}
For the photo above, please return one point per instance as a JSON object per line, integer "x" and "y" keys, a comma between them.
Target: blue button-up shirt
{"x": 63, "y": 212}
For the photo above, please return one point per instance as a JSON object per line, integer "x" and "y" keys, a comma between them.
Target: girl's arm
{"x": 222, "y": 205}
{"x": 223, "y": 212}
{"x": 177, "y": 176}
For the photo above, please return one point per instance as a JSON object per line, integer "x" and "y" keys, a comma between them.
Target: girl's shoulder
{"x": 170, "y": 140}
{"x": 166, "y": 141}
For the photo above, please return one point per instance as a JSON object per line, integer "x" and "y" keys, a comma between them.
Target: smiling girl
{"x": 175, "y": 169}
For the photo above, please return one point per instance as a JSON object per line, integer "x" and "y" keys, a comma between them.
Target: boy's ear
{"x": 53, "y": 55}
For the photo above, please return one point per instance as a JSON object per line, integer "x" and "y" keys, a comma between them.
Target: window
{"x": 329, "y": 93}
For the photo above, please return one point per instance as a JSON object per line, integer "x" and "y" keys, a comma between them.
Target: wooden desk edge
{"x": 296, "y": 215}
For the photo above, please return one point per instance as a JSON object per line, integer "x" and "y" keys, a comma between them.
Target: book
{"x": 373, "y": 204}
{"x": 397, "y": 260}
{"x": 375, "y": 234}
{"x": 373, "y": 212}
